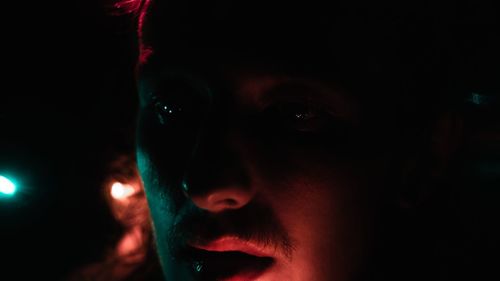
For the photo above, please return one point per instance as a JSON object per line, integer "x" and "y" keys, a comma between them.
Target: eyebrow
{"x": 151, "y": 62}
{"x": 258, "y": 85}
{"x": 269, "y": 87}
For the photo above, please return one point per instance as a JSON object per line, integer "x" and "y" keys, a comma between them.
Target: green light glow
{"x": 7, "y": 187}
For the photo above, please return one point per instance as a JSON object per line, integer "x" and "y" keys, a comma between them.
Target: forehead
{"x": 373, "y": 50}
{"x": 306, "y": 37}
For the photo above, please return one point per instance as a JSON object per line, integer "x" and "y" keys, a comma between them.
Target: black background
{"x": 67, "y": 110}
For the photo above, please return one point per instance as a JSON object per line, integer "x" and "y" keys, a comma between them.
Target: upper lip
{"x": 234, "y": 244}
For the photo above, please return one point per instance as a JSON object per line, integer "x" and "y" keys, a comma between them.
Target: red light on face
{"x": 120, "y": 191}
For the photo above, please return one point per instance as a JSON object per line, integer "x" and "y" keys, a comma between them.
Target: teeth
{"x": 198, "y": 266}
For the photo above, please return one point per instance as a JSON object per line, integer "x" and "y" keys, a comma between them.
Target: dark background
{"x": 67, "y": 111}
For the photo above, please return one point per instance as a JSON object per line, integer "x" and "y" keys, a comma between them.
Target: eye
{"x": 301, "y": 117}
{"x": 166, "y": 111}
{"x": 179, "y": 102}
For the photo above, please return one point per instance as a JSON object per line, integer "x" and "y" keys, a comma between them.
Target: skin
{"x": 252, "y": 136}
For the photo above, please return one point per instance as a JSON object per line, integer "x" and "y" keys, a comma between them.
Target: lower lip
{"x": 230, "y": 266}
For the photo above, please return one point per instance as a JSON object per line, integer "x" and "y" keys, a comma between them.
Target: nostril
{"x": 227, "y": 202}
{"x": 222, "y": 199}
{"x": 218, "y": 200}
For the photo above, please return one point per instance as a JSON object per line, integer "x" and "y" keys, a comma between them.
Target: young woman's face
{"x": 252, "y": 171}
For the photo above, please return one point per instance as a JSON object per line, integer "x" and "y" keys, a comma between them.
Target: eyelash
{"x": 181, "y": 111}
{"x": 300, "y": 117}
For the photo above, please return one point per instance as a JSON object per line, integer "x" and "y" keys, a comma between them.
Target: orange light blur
{"x": 120, "y": 191}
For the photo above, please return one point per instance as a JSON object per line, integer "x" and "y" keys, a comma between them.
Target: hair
{"x": 133, "y": 7}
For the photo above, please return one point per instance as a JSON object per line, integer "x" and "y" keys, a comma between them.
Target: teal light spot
{"x": 483, "y": 99}
{"x": 477, "y": 99}
{"x": 7, "y": 187}
{"x": 198, "y": 266}
{"x": 184, "y": 186}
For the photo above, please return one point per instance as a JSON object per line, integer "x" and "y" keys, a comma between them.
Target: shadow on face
{"x": 273, "y": 137}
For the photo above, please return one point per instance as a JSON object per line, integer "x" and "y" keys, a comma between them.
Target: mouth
{"x": 229, "y": 260}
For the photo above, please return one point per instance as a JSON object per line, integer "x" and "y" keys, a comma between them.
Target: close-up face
{"x": 267, "y": 166}
{"x": 256, "y": 167}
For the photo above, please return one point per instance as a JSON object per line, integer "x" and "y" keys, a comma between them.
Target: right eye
{"x": 167, "y": 112}
{"x": 179, "y": 103}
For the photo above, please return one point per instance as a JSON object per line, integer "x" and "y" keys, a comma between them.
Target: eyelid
{"x": 150, "y": 86}
{"x": 299, "y": 92}
{"x": 319, "y": 93}
{"x": 312, "y": 105}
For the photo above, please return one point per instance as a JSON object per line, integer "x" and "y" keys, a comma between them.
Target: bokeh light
{"x": 7, "y": 186}
{"x": 120, "y": 191}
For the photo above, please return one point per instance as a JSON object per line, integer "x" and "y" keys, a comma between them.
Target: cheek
{"x": 327, "y": 206}
{"x": 168, "y": 148}
{"x": 162, "y": 157}
{"x": 332, "y": 206}
{"x": 150, "y": 182}
{"x": 330, "y": 225}
{"x": 159, "y": 206}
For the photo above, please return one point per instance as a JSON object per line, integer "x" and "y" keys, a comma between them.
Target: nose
{"x": 222, "y": 199}
{"x": 216, "y": 179}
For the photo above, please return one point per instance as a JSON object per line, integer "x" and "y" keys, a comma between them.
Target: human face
{"x": 253, "y": 171}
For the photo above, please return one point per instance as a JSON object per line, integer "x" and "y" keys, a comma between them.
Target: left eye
{"x": 300, "y": 117}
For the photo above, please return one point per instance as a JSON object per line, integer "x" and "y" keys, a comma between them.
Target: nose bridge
{"x": 216, "y": 178}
